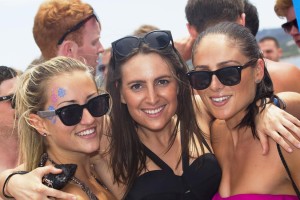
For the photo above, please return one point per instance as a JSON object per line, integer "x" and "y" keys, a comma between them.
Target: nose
{"x": 215, "y": 83}
{"x": 100, "y": 48}
{"x": 152, "y": 95}
{"x": 87, "y": 118}
{"x": 294, "y": 30}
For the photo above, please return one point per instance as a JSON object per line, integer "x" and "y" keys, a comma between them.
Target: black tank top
{"x": 200, "y": 180}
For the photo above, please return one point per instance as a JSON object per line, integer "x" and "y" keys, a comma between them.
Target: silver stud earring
{"x": 45, "y": 135}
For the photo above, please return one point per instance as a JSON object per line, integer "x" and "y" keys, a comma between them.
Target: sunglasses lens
{"x": 125, "y": 46}
{"x": 99, "y": 105}
{"x": 71, "y": 115}
{"x": 229, "y": 76}
{"x": 157, "y": 40}
{"x": 288, "y": 25}
{"x": 200, "y": 80}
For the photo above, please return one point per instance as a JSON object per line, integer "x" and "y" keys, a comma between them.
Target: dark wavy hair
{"x": 128, "y": 158}
{"x": 240, "y": 37}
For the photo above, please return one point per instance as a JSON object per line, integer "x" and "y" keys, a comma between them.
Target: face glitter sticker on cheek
{"x": 53, "y": 119}
{"x": 61, "y": 92}
{"x": 53, "y": 96}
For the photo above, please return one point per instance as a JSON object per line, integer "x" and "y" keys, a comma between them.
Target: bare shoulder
{"x": 281, "y": 67}
{"x": 285, "y": 76}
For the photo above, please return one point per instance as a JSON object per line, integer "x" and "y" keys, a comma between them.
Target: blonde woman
{"x": 60, "y": 112}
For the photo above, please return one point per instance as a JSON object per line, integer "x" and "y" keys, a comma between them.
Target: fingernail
{"x": 290, "y": 150}
{"x": 74, "y": 198}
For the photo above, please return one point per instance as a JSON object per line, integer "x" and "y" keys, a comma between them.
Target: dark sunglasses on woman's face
{"x": 9, "y": 98}
{"x": 72, "y": 114}
{"x": 228, "y": 76}
{"x": 287, "y": 27}
{"x": 158, "y": 39}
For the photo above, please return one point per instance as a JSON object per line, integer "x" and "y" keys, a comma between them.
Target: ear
{"x": 280, "y": 52}
{"x": 122, "y": 99}
{"x": 68, "y": 48}
{"x": 259, "y": 70}
{"x": 192, "y": 30}
{"x": 242, "y": 19}
{"x": 39, "y": 124}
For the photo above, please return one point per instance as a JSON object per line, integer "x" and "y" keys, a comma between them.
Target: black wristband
{"x": 6, "y": 181}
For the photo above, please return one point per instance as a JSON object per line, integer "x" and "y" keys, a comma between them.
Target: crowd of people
{"x": 210, "y": 116}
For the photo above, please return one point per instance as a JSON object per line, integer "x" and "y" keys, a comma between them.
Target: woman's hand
{"x": 29, "y": 186}
{"x": 277, "y": 124}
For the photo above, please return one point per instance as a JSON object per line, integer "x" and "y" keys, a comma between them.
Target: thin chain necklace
{"x": 81, "y": 184}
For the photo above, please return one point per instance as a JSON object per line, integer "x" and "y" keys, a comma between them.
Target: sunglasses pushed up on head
{"x": 228, "y": 76}
{"x": 287, "y": 27}
{"x": 159, "y": 39}
{"x": 71, "y": 115}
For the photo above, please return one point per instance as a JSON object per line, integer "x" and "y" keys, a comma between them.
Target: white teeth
{"x": 220, "y": 99}
{"x": 155, "y": 111}
{"x": 86, "y": 132}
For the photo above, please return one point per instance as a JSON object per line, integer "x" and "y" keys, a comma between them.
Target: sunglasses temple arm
{"x": 45, "y": 114}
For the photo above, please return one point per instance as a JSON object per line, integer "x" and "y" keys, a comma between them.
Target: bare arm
{"x": 278, "y": 124}
{"x": 29, "y": 186}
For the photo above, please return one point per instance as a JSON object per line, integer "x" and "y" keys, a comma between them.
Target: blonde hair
{"x": 31, "y": 96}
{"x": 143, "y": 29}
{"x": 53, "y": 19}
{"x": 282, "y": 6}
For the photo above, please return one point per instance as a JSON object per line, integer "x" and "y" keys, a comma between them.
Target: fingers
{"x": 41, "y": 171}
{"x": 293, "y": 124}
{"x": 285, "y": 132}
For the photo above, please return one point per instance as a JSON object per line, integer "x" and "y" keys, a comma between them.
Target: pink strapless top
{"x": 256, "y": 197}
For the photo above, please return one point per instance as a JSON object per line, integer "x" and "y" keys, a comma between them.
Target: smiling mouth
{"x": 220, "y": 99}
{"x": 87, "y": 132}
{"x": 154, "y": 111}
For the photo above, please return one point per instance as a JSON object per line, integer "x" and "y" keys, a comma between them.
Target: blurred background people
{"x": 270, "y": 48}
{"x": 68, "y": 28}
{"x": 8, "y": 126}
{"x": 285, "y": 8}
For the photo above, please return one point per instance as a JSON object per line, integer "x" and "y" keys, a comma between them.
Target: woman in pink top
{"x": 230, "y": 76}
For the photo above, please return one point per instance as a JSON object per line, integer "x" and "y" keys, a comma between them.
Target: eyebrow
{"x": 142, "y": 81}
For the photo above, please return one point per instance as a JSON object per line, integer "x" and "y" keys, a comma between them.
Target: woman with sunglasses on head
{"x": 156, "y": 148}
{"x": 60, "y": 123}
{"x": 230, "y": 76}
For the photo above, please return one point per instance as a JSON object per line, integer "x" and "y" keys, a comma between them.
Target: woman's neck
{"x": 82, "y": 161}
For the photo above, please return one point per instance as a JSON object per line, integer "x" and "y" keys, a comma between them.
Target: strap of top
{"x": 288, "y": 171}
{"x": 185, "y": 156}
{"x": 157, "y": 160}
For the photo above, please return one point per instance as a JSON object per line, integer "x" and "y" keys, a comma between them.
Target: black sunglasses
{"x": 158, "y": 39}
{"x": 287, "y": 27}
{"x": 72, "y": 114}
{"x": 9, "y": 98}
{"x": 229, "y": 76}
{"x": 75, "y": 28}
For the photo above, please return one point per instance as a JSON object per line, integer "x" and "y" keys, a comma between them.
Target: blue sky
{"x": 118, "y": 18}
